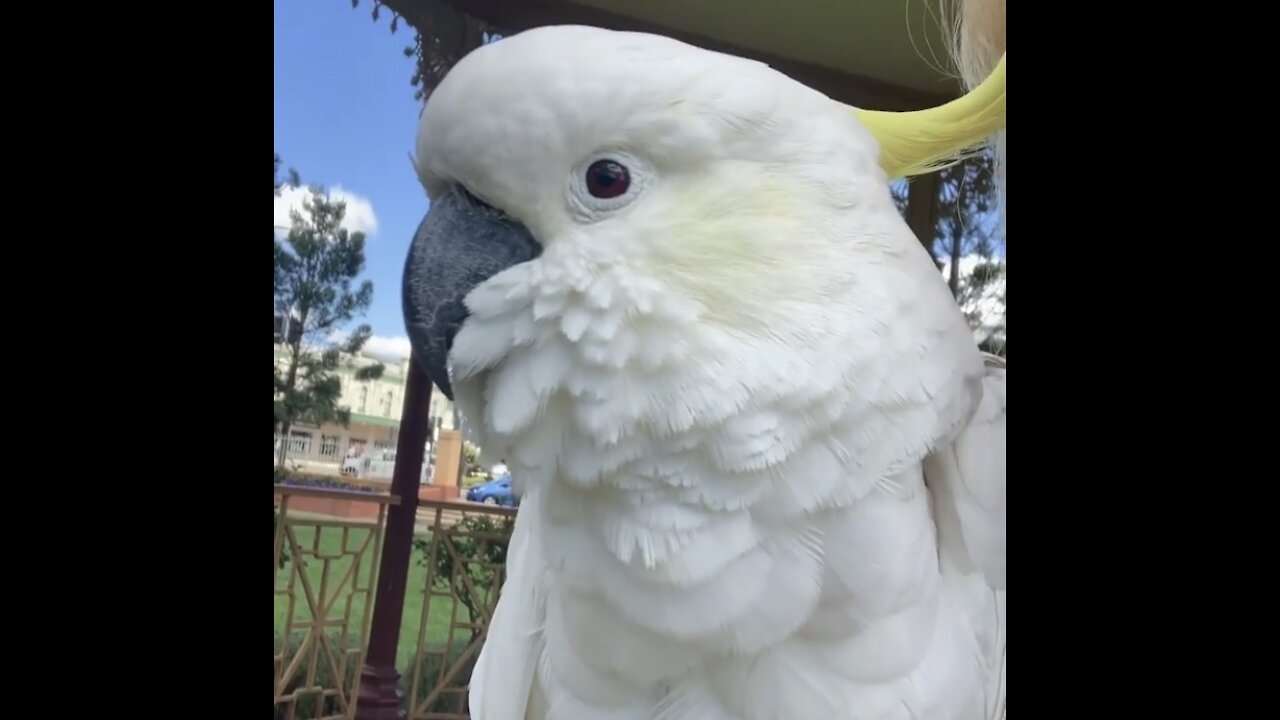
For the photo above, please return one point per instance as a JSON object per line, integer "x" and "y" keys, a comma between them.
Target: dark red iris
{"x": 607, "y": 179}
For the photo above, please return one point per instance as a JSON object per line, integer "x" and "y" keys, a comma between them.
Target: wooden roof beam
{"x": 517, "y": 15}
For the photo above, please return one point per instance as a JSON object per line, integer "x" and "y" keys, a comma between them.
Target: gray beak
{"x": 461, "y": 243}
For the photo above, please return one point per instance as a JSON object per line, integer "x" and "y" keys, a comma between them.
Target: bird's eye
{"x": 607, "y": 179}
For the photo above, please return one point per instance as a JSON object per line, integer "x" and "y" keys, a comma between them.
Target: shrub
{"x": 471, "y": 550}
{"x": 328, "y": 482}
{"x": 284, "y": 551}
{"x": 284, "y": 547}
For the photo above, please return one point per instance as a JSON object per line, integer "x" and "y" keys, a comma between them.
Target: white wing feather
{"x": 502, "y": 679}
{"x": 967, "y": 479}
{"x": 967, "y": 483}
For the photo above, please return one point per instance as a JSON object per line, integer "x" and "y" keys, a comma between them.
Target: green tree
{"x": 982, "y": 297}
{"x": 291, "y": 178}
{"x": 965, "y": 244}
{"x": 966, "y": 215}
{"x": 442, "y": 35}
{"x": 968, "y": 234}
{"x": 316, "y": 267}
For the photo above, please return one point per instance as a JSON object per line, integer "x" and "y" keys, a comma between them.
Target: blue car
{"x": 494, "y": 492}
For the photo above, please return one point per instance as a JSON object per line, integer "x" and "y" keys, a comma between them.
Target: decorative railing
{"x": 465, "y": 558}
{"x": 325, "y": 572}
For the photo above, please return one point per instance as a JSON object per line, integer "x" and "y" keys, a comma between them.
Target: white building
{"x": 375, "y": 416}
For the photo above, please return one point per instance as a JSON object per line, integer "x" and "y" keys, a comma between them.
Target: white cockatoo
{"x": 761, "y": 460}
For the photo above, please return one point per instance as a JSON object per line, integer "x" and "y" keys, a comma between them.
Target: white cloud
{"x": 387, "y": 349}
{"x": 360, "y": 216}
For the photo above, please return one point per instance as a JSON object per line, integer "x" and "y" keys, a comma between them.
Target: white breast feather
{"x": 726, "y": 529}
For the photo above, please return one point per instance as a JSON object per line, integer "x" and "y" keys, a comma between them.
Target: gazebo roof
{"x": 880, "y": 54}
{"x": 887, "y": 41}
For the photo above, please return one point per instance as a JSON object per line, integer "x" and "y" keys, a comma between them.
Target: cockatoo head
{"x": 596, "y": 195}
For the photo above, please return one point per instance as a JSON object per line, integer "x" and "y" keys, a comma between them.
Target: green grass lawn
{"x": 331, "y": 543}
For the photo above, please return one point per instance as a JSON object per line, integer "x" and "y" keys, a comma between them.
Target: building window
{"x": 299, "y": 442}
{"x": 364, "y": 398}
{"x": 355, "y": 448}
{"x": 379, "y": 446}
{"x": 329, "y": 445}
{"x": 387, "y": 403}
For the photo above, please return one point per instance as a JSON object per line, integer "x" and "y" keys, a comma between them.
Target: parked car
{"x": 377, "y": 464}
{"x": 494, "y": 492}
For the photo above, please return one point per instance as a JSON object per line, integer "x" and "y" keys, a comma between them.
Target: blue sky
{"x": 345, "y": 117}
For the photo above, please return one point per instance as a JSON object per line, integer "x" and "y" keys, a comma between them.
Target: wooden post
{"x": 449, "y": 462}
{"x": 380, "y": 697}
{"x": 444, "y": 485}
{"x": 922, "y": 209}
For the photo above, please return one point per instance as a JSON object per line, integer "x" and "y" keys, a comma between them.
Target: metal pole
{"x": 380, "y": 697}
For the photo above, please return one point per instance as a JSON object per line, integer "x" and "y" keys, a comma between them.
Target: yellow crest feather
{"x": 921, "y": 141}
